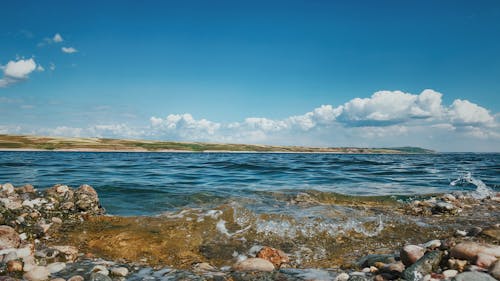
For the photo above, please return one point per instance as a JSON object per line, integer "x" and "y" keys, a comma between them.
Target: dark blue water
{"x": 150, "y": 183}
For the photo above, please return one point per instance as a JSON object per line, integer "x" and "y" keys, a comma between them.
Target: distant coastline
{"x": 61, "y": 144}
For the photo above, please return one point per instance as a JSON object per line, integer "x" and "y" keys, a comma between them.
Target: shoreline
{"x": 210, "y": 244}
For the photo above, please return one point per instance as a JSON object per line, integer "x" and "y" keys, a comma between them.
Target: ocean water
{"x": 155, "y": 183}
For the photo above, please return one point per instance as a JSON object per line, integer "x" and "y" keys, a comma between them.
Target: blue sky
{"x": 255, "y": 71}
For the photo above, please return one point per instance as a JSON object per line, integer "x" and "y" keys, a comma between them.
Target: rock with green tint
{"x": 425, "y": 265}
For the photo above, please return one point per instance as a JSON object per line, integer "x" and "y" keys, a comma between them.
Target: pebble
{"x": 457, "y": 264}
{"x": 38, "y": 273}
{"x": 342, "y": 277}
{"x": 473, "y": 276}
{"x": 76, "y": 278}
{"x": 485, "y": 260}
{"x": 14, "y": 266}
{"x": 450, "y": 273}
{"x": 433, "y": 244}
{"x": 96, "y": 276}
{"x": 411, "y": 253}
{"x": 494, "y": 270}
{"x": 8, "y": 237}
{"x": 101, "y": 269}
{"x": 275, "y": 256}
{"x": 427, "y": 264}
{"x": 119, "y": 271}
{"x": 56, "y": 220}
{"x": 474, "y": 231}
{"x": 254, "y": 264}
{"x": 56, "y": 267}
{"x": 8, "y": 188}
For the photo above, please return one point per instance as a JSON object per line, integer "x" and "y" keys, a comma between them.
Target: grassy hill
{"x": 20, "y": 142}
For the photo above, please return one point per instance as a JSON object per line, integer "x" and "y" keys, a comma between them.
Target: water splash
{"x": 482, "y": 190}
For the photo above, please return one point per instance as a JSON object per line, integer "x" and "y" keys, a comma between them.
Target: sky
{"x": 313, "y": 73}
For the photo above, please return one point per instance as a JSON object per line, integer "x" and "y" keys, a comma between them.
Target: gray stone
{"x": 495, "y": 270}
{"x": 254, "y": 264}
{"x": 473, "y": 276}
{"x": 425, "y": 265}
{"x": 99, "y": 277}
{"x": 370, "y": 260}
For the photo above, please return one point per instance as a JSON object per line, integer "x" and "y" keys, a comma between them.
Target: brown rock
{"x": 14, "y": 266}
{"x": 411, "y": 253}
{"x": 466, "y": 251}
{"x": 8, "y": 237}
{"x": 485, "y": 260}
{"x": 492, "y": 233}
{"x": 494, "y": 270}
{"x": 86, "y": 198}
{"x": 254, "y": 264}
{"x": 457, "y": 264}
{"x": 275, "y": 256}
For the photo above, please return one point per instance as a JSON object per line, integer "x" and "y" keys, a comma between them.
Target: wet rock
{"x": 14, "y": 265}
{"x": 76, "y": 278}
{"x": 304, "y": 199}
{"x": 119, "y": 271}
{"x": 99, "y": 277}
{"x": 470, "y": 250}
{"x": 342, "y": 277}
{"x": 8, "y": 237}
{"x": 432, "y": 245}
{"x": 86, "y": 198}
{"x": 275, "y": 256}
{"x": 357, "y": 278}
{"x": 485, "y": 260}
{"x": 393, "y": 268}
{"x": 68, "y": 253}
{"x": 38, "y": 273}
{"x": 473, "y": 276}
{"x": 494, "y": 270}
{"x": 493, "y": 233}
{"x": 445, "y": 208}
{"x": 254, "y": 264}
{"x": 411, "y": 253}
{"x": 457, "y": 264}
{"x": 474, "y": 231}
{"x": 56, "y": 267}
{"x": 370, "y": 260}
{"x": 425, "y": 265}
{"x": 100, "y": 269}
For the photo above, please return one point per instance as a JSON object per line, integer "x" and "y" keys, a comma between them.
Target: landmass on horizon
{"x": 28, "y": 142}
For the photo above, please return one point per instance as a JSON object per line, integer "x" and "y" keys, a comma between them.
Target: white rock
{"x": 8, "y": 188}
{"x": 23, "y": 252}
{"x": 56, "y": 267}
{"x": 23, "y": 236}
{"x": 432, "y": 244}
{"x": 450, "y": 273}
{"x": 119, "y": 271}
{"x": 254, "y": 264}
{"x": 29, "y": 263}
{"x": 62, "y": 188}
{"x": 10, "y": 257}
{"x": 342, "y": 277}
{"x": 38, "y": 273}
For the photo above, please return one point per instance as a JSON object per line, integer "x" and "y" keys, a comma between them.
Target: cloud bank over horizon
{"x": 386, "y": 118}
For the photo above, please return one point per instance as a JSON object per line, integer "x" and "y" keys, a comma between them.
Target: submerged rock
{"x": 473, "y": 276}
{"x": 275, "y": 256}
{"x": 425, "y": 265}
{"x": 254, "y": 264}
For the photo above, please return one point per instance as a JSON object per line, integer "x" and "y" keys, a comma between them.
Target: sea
{"x": 149, "y": 184}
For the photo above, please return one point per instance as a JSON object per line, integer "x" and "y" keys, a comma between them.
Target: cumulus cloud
{"x": 16, "y": 71}
{"x": 57, "y": 38}
{"x": 386, "y": 118}
{"x": 69, "y": 50}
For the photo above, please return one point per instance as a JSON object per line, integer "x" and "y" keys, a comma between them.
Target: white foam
{"x": 482, "y": 190}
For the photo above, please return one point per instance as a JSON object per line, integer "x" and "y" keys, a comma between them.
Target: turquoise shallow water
{"x": 152, "y": 183}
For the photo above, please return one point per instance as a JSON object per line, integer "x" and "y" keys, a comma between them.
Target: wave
{"x": 482, "y": 190}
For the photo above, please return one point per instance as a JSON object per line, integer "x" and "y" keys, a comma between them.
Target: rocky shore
{"x": 62, "y": 233}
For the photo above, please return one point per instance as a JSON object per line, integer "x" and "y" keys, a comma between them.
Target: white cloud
{"x": 69, "y": 50}
{"x": 387, "y": 118}
{"x": 52, "y": 66}
{"x": 16, "y": 71}
{"x": 391, "y": 107}
{"x": 57, "y": 38}
{"x": 464, "y": 112}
